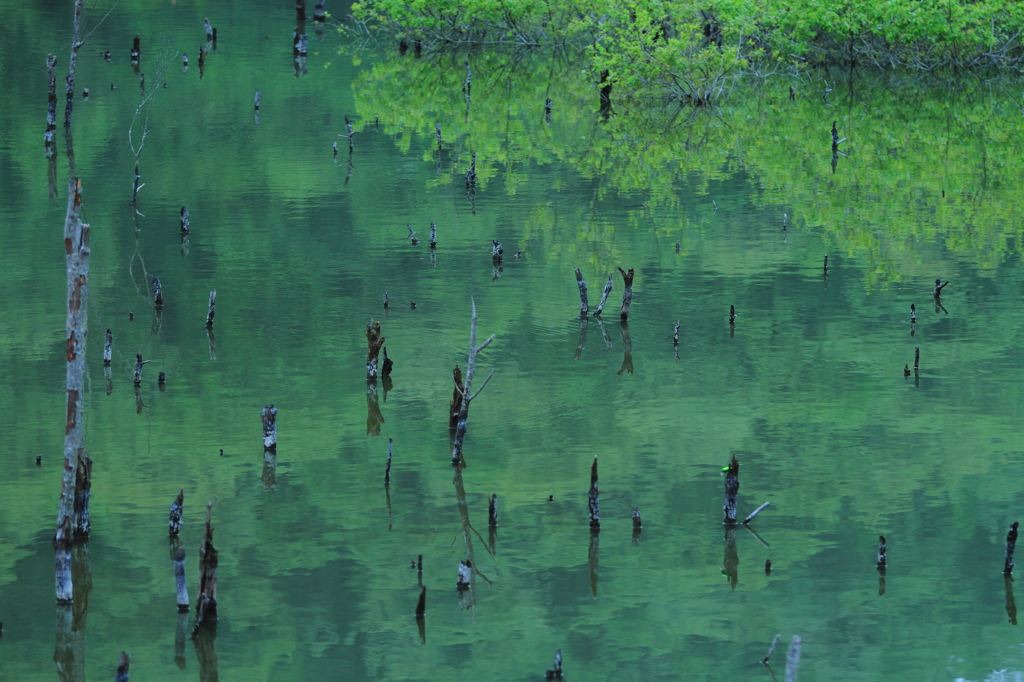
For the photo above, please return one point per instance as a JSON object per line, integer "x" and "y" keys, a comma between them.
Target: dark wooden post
{"x": 76, "y": 246}
{"x": 206, "y": 603}
{"x": 732, "y": 489}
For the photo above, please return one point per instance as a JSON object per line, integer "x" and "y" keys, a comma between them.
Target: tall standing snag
{"x": 206, "y": 603}
{"x": 464, "y": 390}
{"x": 76, "y": 246}
{"x": 69, "y": 82}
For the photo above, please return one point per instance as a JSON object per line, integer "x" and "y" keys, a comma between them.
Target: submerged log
{"x": 584, "y": 305}
{"x": 604, "y": 296}
{"x": 732, "y": 489}
{"x": 76, "y": 246}
{"x": 627, "y": 294}
{"x": 269, "y": 416}
{"x": 174, "y": 519}
{"x": 206, "y": 603}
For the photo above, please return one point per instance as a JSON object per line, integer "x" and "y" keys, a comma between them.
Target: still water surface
{"x": 807, "y": 389}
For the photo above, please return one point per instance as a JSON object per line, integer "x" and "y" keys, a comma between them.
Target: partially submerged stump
{"x": 158, "y": 291}
{"x": 123, "y": 662}
{"x": 108, "y": 348}
{"x": 593, "y": 500}
{"x": 1011, "y": 543}
{"x": 206, "y": 603}
{"x": 433, "y": 235}
{"x": 732, "y": 489}
{"x": 184, "y": 220}
{"x": 212, "y": 309}
{"x": 139, "y": 364}
{"x": 83, "y": 487}
{"x": 269, "y": 416}
{"x": 556, "y": 670}
{"x": 492, "y": 511}
{"x": 174, "y": 519}
{"x": 627, "y": 294}
{"x": 374, "y": 342}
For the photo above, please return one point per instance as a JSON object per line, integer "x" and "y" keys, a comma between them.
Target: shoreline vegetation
{"x": 693, "y": 52}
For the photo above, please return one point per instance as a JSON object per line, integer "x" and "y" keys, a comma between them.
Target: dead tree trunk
{"x": 51, "y": 104}
{"x": 593, "y": 499}
{"x": 83, "y": 487}
{"x": 464, "y": 390}
{"x": 455, "y": 406}
{"x": 732, "y": 489}
{"x": 76, "y": 247}
{"x": 139, "y": 364}
{"x": 212, "y": 310}
{"x": 206, "y": 603}
{"x": 269, "y": 416}
{"x": 108, "y": 348}
{"x": 374, "y": 342}
{"x": 604, "y": 296}
{"x": 69, "y": 82}
{"x": 584, "y": 305}
{"x": 1011, "y": 543}
{"x": 627, "y": 295}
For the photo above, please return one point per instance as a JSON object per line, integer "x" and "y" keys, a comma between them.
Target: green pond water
{"x": 807, "y": 388}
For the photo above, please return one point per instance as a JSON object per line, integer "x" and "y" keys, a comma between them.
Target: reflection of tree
{"x": 929, "y": 150}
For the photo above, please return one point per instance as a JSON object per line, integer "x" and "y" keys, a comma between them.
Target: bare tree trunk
{"x": 464, "y": 390}
{"x": 584, "y": 305}
{"x": 627, "y": 294}
{"x": 455, "y": 406}
{"x": 69, "y": 82}
{"x": 604, "y": 296}
{"x": 76, "y": 246}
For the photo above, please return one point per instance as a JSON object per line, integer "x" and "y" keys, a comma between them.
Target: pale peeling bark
{"x": 76, "y": 247}
{"x": 604, "y": 296}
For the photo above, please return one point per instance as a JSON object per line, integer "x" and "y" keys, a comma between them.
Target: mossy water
{"x": 806, "y": 389}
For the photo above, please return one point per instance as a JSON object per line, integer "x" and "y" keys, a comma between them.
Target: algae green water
{"x": 807, "y": 389}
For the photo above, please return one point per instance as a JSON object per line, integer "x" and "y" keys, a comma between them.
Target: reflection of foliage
{"x": 939, "y": 160}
